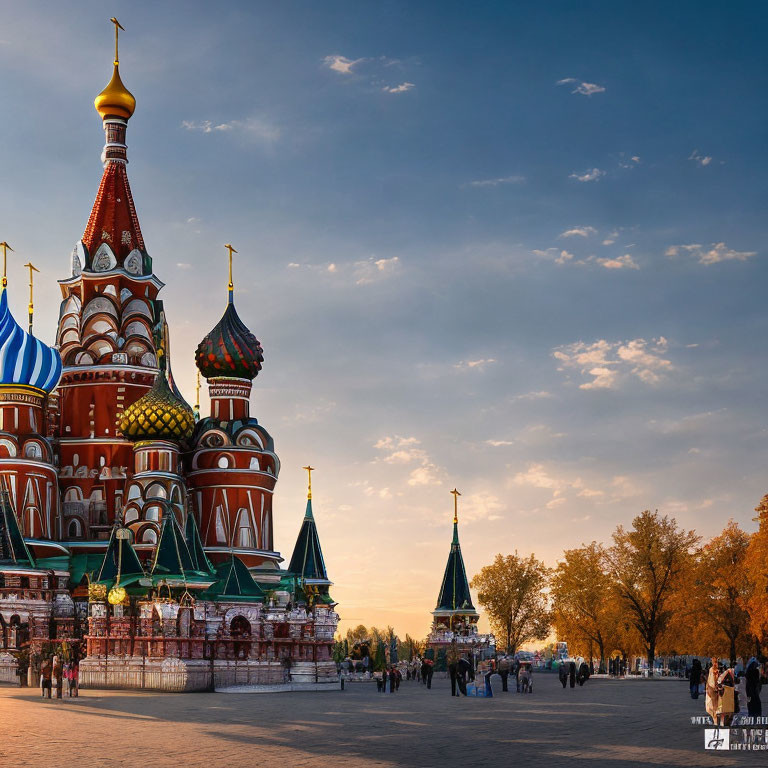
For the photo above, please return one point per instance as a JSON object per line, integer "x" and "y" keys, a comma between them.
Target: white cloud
{"x": 592, "y": 174}
{"x": 499, "y": 443}
{"x": 497, "y": 182}
{"x": 480, "y": 506}
{"x": 701, "y": 160}
{"x": 578, "y": 232}
{"x": 585, "y": 89}
{"x": 635, "y": 159}
{"x": 402, "y": 88}
{"x": 332, "y": 267}
{"x": 620, "y": 262}
{"x": 560, "y": 257}
{"x": 480, "y": 364}
{"x": 251, "y": 127}
{"x": 341, "y": 64}
{"x": 607, "y": 364}
{"x": 716, "y": 253}
{"x": 398, "y": 450}
{"x": 183, "y": 265}
{"x": 540, "y": 395}
{"x": 369, "y": 270}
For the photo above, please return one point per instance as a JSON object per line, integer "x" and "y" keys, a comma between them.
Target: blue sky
{"x": 513, "y": 247}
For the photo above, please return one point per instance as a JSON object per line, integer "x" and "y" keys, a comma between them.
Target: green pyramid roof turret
{"x": 195, "y": 545}
{"x": 13, "y": 548}
{"x": 454, "y": 591}
{"x": 233, "y": 580}
{"x": 307, "y": 561}
{"x": 120, "y": 559}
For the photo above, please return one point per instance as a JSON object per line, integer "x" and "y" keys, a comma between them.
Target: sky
{"x": 513, "y": 247}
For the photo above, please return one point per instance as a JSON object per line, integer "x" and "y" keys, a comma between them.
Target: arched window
{"x": 244, "y": 530}
{"x": 223, "y": 462}
{"x": 221, "y": 531}
{"x": 149, "y": 536}
{"x": 152, "y": 513}
{"x": 75, "y": 529}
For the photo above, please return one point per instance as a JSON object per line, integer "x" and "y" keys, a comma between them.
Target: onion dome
{"x": 115, "y": 100}
{"x": 159, "y": 415}
{"x": 230, "y": 349}
{"x": 24, "y": 360}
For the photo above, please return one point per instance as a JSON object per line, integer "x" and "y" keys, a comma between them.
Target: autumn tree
{"x": 722, "y": 591}
{"x": 647, "y": 565}
{"x": 511, "y": 591}
{"x": 580, "y": 590}
{"x": 756, "y": 564}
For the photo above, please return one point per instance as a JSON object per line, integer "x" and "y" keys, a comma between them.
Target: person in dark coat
{"x": 562, "y": 673}
{"x": 583, "y": 672}
{"x": 429, "y": 668}
{"x": 452, "y": 657}
{"x": 463, "y": 668}
{"x": 754, "y": 705}
{"x": 504, "y": 667}
{"x": 694, "y": 678}
{"x": 572, "y": 674}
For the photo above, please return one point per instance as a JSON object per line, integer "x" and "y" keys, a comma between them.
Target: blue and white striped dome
{"x": 25, "y": 360}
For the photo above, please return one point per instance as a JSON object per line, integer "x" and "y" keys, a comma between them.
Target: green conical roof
{"x": 13, "y": 548}
{"x": 172, "y": 554}
{"x": 195, "y": 545}
{"x": 233, "y": 580}
{"x": 307, "y": 559}
{"x": 120, "y": 558}
{"x": 454, "y": 592}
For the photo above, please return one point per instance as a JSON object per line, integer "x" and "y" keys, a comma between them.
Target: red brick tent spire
{"x": 113, "y": 220}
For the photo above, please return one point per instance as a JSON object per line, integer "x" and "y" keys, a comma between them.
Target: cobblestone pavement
{"x": 606, "y": 723}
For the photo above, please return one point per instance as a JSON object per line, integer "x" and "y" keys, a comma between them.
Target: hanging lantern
{"x": 116, "y": 595}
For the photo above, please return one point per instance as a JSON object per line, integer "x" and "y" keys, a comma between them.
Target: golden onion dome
{"x": 115, "y": 100}
{"x": 159, "y": 415}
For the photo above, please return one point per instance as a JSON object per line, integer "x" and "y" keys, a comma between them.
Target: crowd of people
{"x": 729, "y": 690}
{"x": 570, "y": 673}
{"x": 53, "y": 673}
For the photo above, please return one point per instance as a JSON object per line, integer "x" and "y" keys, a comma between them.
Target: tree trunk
{"x": 601, "y": 646}
{"x": 651, "y": 657}
{"x": 733, "y": 651}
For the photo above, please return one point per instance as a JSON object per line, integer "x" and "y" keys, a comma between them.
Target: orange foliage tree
{"x": 647, "y": 565}
{"x": 756, "y": 564}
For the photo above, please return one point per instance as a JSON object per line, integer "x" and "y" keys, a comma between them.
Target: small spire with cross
{"x": 456, "y": 495}
{"x": 231, "y": 285}
{"x": 32, "y": 268}
{"x": 310, "y": 470}
{"x": 118, "y": 26}
{"x": 5, "y": 248}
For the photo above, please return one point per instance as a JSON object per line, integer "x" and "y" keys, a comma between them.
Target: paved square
{"x": 606, "y": 723}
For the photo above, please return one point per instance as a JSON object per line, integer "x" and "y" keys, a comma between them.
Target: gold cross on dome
{"x": 309, "y": 473}
{"x": 5, "y": 248}
{"x": 32, "y": 268}
{"x": 456, "y": 495}
{"x": 231, "y": 285}
{"x": 118, "y": 26}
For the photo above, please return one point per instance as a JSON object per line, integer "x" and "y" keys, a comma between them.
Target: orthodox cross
{"x": 32, "y": 268}
{"x": 118, "y": 26}
{"x": 231, "y": 285}
{"x": 309, "y": 472}
{"x": 5, "y": 248}
{"x": 456, "y": 495}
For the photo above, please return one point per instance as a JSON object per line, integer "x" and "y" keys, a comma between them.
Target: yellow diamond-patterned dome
{"x": 159, "y": 415}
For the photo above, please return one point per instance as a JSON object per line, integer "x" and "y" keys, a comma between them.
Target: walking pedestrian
{"x": 754, "y": 705}
{"x": 58, "y": 676}
{"x": 429, "y": 668}
{"x": 572, "y": 674}
{"x": 562, "y": 673}
{"x": 46, "y": 671}
{"x": 504, "y": 665}
{"x": 452, "y": 659}
{"x": 694, "y": 678}
{"x": 74, "y": 679}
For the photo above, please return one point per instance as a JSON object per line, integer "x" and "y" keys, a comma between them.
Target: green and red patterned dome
{"x": 230, "y": 349}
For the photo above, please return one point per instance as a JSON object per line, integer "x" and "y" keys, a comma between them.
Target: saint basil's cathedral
{"x": 132, "y": 529}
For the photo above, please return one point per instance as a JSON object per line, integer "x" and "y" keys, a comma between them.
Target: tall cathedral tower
{"x": 106, "y": 336}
